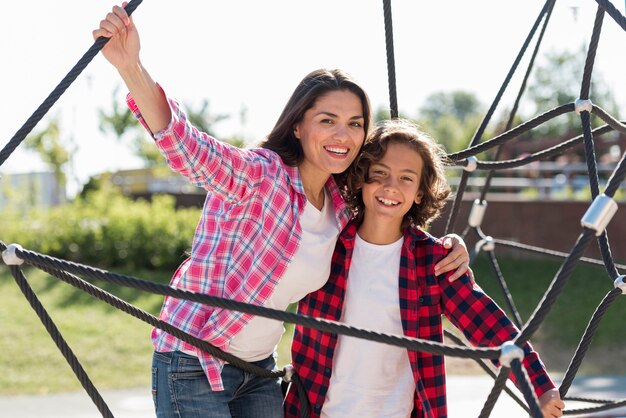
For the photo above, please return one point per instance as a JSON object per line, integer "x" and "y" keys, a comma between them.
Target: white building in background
{"x": 30, "y": 190}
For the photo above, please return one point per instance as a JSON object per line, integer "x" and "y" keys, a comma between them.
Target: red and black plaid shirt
{"x": 424, "y": 297}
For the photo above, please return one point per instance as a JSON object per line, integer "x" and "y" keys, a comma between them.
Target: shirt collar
{"x": 411, "y": 235}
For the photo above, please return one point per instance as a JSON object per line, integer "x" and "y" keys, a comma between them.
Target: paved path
{"x": 466, "y": 396}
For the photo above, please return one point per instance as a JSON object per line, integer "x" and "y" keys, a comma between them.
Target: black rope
{"x": 481, "y": 129}
{"x": 483, "y": 365}
{"x": 513, "y": 133}
{"x": 43, "y": 108}
{"x": 432, "y": 347}
{"x": 456, "y": 203}
{"x": 552, "y": 253}
{"x": 505, "y": 289}
{"x": 588, "y": 400}
{"x": 158, "y": 323}
{"x": 513, "y": 112}
{"x": 591, "y": 54}
{"x": 303, "y": 398}
{"x": 613, "y": 12}
{"x": 497, "y": 388}
{"x": 391, "y": 66}
{"x": 607, "y": 407}
{"x": 60, "y": 342}
{"x": 555, "y": 287}
{"x": 526, "y": 389}
{"x": 617, "y": 177}
{"x": 585, "y": 341}
{"x": 539, "y": 155}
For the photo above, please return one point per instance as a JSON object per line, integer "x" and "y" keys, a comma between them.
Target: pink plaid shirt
{"x": 248, "y": 232}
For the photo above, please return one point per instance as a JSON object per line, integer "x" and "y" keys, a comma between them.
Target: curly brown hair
{"x": 433, "y": 182}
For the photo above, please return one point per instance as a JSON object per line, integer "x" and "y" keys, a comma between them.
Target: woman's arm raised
{"x": 122, "y": 51}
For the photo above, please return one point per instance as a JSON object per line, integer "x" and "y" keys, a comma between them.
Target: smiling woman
{"x": 267, "y": 230}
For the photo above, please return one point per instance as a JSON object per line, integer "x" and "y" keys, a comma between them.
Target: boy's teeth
{"x": 387, "y": 201}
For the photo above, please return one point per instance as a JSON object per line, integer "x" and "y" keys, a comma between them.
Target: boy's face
{"x": 395, "y": 184}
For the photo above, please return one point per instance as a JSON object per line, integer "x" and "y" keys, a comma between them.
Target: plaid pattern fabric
{"x": 424, "y": 297}
{"x": 248, "y": 232}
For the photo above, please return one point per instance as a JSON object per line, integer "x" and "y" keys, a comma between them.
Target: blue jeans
{"x": 180, "y": 389}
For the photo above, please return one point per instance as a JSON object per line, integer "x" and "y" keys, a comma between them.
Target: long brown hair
{"x": 433, "y": 183}
{"x": 315, "y": 84}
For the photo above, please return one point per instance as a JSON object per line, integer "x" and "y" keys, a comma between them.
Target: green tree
{"x": 120, "y": 121}
{"x": 451, "y": 118}
{"x": 49, "y": 145}
{"x": 556, "y": 81}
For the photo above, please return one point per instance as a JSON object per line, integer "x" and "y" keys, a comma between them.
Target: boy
{"x": 383, "y": 279}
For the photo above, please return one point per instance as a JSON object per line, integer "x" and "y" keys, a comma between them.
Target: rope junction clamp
{"x": 472, "y": 163}
{"x": 599, "y": 214}
{"x": 288, "y": 377}
{"x": 510, "y": 352}
{"x": 9, "y": 256}
{"x": 486, "y": 244}
{"x": 581, "y": 105}
{"x": 620, "y": 283}
{"x": 477, "y": 213}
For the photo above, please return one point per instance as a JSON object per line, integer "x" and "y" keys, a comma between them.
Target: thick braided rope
{"x": 551, "y": 253}
{"x": 539, "y": 155}
{"x": 481, "y": 129}
{"x": 43, "y": 108}
{"x": 483, "y": 365}
{"x": 528, "y": 392}
{"x": 432, "y": 347}
{"x": 613, "y": 12}
{"x": 513, "y": 133}
{"x": 607, "y": 407}
{"x": 555, "y": 288}
{"x": 155, "y": 322}
{"x": 585, "y": 341}
{"x": 518, "y": 98}
{"x": 60, "y": 342}
{"x": 494, "y": 394}
{"x": 517, "y": 319}
{"x": 391, "y": 66}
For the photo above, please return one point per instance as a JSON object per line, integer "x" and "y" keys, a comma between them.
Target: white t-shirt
{"x": 307, "y": 272}
{"x": 371, "y": 379}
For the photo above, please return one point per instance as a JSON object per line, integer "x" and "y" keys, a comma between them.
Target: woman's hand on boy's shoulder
{"x": 457, "y": 259}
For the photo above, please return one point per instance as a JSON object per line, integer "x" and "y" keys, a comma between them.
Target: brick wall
{"x": 548, "y": 224}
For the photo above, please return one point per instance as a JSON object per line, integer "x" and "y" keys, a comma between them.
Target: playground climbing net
{"x": 593, "y": 227}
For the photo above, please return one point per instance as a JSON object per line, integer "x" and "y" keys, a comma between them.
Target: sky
{"x": 250, "y": 54}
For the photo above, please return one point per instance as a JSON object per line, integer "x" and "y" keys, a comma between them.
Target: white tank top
{"x": 307, "y": 272}
{"x": 371, "y": 379}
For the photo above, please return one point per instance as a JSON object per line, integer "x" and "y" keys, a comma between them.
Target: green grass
{"x": 115, "y": 349}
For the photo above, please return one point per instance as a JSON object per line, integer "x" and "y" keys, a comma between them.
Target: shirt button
{"x": 421, "y": 299}
{"x": 327, "y": 371}
{"x": 318, "y": 408}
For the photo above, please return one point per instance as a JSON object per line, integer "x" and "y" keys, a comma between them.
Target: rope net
{"x": 593, "y": 228}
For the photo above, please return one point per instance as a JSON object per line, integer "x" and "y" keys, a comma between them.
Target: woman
{"x": 266, "y": 234}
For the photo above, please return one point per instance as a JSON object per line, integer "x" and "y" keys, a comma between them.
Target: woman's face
{"x": 331, "y": 133}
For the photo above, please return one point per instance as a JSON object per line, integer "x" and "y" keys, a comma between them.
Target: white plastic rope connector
{"x": 288, "y": 377}
{"x": 599, "y": 214}
{"x": 472, "y": 163}
{"x": 486, "y": 244}
{"x": 477, "y": 213}
{"x": 510, "y": 352}
{"x": 581, "y": 105}
{"x": 9, "y": 256}
{"x": 620, "y": 283}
